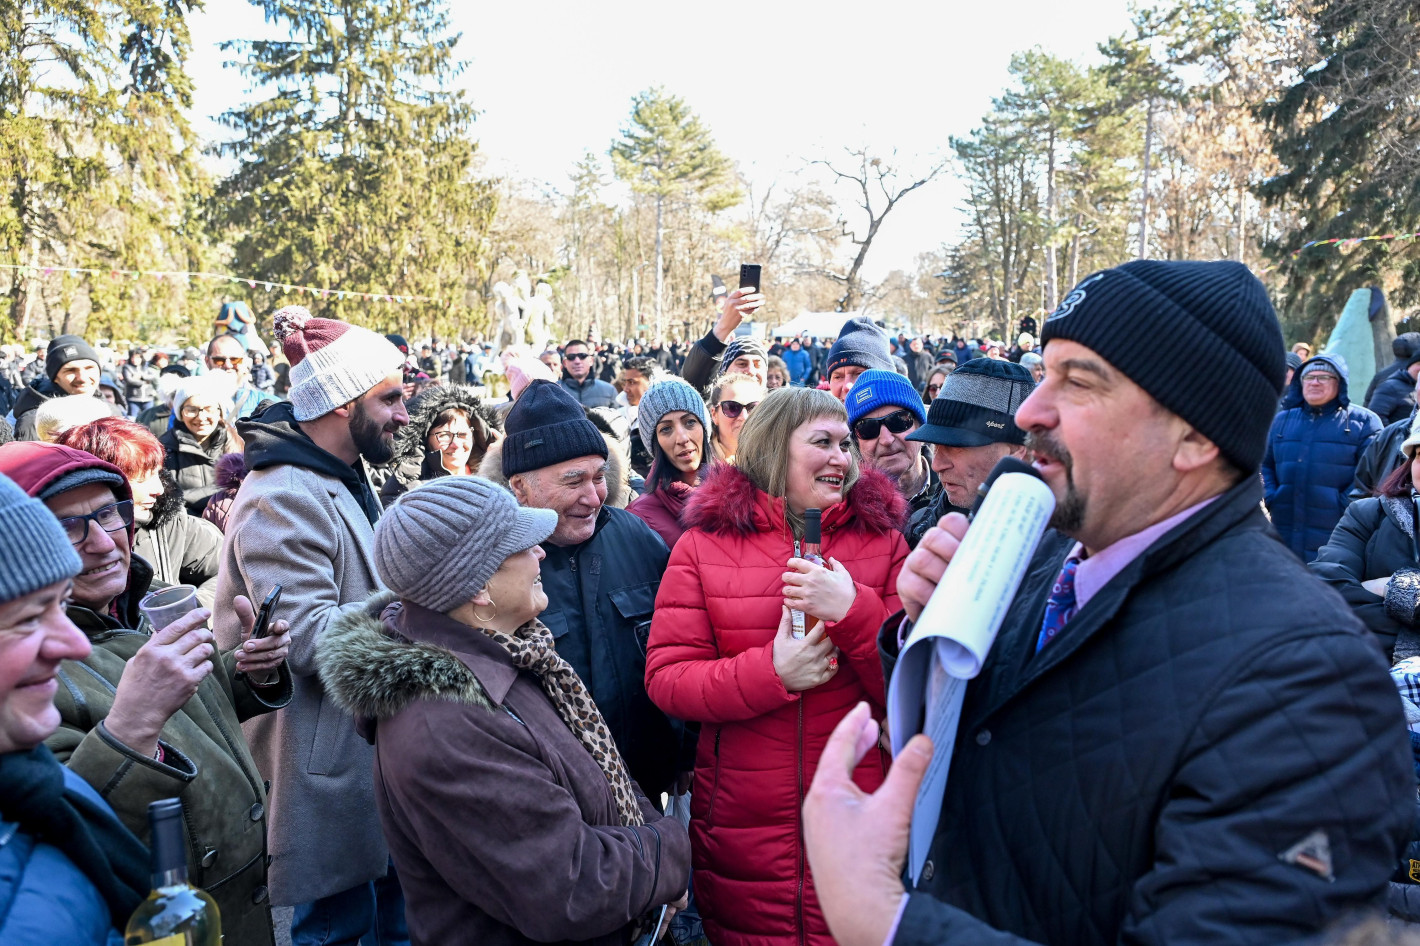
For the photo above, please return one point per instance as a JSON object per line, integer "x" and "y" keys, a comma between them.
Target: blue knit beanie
{"x": 36, "y": 553}
{"x": 860, "y": 343}
{"x": 545, "y": 427}
{"x": 878, "y": 388}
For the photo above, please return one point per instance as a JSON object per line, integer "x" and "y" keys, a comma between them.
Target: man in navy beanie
{"x": 602, "y": 568}
{"x": 861, "y": 346}
{"x": 1179, "y": 735}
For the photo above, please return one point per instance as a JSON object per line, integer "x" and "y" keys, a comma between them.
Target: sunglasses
{"x": 733, "y": 409}
{"x": 219, "y": 361}
{"x": 111, "y": 518}
{"x": 578, "y": 356}
{"x": 898, "y": 422}
{"x": 932, "y": 389}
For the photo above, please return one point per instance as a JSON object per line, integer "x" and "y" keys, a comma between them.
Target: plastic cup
{"x": 166, "y": 605}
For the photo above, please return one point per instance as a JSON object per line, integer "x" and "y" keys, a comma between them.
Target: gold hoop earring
{"x": 480, "y": 618}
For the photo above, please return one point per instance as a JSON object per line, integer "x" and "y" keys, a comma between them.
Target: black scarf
{"x": 33, "y": 794}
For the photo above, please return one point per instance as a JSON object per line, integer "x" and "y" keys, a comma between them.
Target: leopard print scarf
{"x": 531, "y": 648}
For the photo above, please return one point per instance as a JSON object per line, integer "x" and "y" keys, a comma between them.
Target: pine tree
{"x": 667, "y": 152}
{"x": 357, "y": 172}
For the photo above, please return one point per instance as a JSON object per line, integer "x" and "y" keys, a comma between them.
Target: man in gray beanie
{"x": 1179, "y": 734}
{"x": 601, "y": 574}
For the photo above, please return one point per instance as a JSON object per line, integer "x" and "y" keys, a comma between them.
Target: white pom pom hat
{"x": 332, "y": 362}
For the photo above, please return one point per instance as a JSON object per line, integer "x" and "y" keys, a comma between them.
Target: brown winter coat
{"x": 502, "y": 827}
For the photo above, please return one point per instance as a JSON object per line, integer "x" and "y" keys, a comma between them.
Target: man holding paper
{"x": 1178, "y": 735}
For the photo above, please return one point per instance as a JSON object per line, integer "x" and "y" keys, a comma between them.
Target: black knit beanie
{"x": 64, "y": 349}
{"x": 1218, "y": 313}
{"x": 862, "y": 344}
{"x": 547, "y": 426}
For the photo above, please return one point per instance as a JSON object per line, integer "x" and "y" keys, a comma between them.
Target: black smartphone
{"x": 749, "y": 276}
{"x": 263, "y": 617}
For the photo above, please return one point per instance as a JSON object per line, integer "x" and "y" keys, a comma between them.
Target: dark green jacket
{"x": 206, "y": 762}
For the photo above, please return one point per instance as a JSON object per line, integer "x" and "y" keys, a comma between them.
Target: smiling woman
{"x": 721, "y": 651}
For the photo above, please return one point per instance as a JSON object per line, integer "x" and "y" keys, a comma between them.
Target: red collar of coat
{"x": 726, "y": 501}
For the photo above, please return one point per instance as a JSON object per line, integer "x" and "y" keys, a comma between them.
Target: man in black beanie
{"x": 861, "y": 346}
{"x": 71, "y": 366}
{"x": 601, "y": 573}
{"x": 1179, "y": 735}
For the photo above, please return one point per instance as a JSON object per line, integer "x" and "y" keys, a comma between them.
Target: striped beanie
{"x": 332, "y": 362}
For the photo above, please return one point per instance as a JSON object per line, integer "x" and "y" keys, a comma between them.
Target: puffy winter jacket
{"x": 799, "y": 363}
{"x": 1380, "y": 458}
{"x": 1375, "y": 539}
{"x": 193, "y": 465}
{"x": 1394, "y": 398}
{"x": 711, "y": 660}
{"x": 1311, "y": 460}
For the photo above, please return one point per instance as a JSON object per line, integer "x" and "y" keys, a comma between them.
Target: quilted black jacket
{"x": 1212, "y": 720}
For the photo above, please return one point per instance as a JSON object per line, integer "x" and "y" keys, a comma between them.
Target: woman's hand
{"x": 160, "y": 679}
{"x": 826, "y": 593}
{"x": 1377, "y": 586}
{"x": 803, "y": 662}
{"x": 260, "y": 659}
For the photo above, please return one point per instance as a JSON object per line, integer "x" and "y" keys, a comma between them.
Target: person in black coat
{"x": 1394, "y": 398}
{"x": 1179, "y": 736}
{"x": 1373, "y": 558}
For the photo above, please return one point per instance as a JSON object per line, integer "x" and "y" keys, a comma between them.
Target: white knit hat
{"x": 332, "y": 362}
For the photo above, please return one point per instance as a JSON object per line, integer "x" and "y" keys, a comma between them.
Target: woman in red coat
{"x": 721, "y": 653}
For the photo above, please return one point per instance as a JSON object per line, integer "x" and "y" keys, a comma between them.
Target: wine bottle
{"x": 175, "y": 913}
{"x": 808, "y": 549}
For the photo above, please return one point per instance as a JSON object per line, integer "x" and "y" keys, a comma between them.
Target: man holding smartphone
{"x": 304, "y": 519}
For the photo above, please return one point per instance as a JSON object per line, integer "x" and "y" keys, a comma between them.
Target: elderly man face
{"x": 574, "y": 489}
{"x": 1319, "y": 387}
{"x": 889, "y": 451}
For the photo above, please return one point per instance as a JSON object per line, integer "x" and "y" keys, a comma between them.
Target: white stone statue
{"x": 506, "y": 312}
{"x": 538, "y": 312}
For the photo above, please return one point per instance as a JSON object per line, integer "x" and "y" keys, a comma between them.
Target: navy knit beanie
{"x": 547, "y": 426}
{"x": 1218, "y": 312}
{"x": 862, "y": 344}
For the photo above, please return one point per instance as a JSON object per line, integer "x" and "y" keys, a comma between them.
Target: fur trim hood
{"x": 726, "y": 501}
{"x": 618, "y": 467}
{"x": 409, "y": 443}
{"x": 372, "y": 673}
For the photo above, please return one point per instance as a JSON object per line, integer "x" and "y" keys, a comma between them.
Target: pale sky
{"x": 776, "y": 82}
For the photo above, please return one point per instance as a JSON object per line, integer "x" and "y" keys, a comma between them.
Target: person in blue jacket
{"x": 70, "y": 872}
{"x": 797, "y": 360}
{"x": 1312, "y": 449}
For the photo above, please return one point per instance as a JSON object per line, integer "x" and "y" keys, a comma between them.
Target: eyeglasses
{"x": 932, "y": 390}
{"x": 898, "y": 422}
{"x": 220, "y": 361}
{"x": 733, "y": 409}
{"x": 443, "y": 437}
{"x": 1318, "y": 377}
{"x": 578, "y": 356}
{"x": 111, "y": 518}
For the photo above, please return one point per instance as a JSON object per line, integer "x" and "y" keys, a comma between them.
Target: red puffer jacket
{"x": 711, "y": 659}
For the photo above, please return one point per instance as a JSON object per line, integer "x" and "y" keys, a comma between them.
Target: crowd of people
{"x": 552, "y": 662}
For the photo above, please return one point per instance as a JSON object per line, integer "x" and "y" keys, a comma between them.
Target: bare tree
{"x": 879, "y": 184}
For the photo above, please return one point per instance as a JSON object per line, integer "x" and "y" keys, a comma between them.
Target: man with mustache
{"x": 1180, "y": 736}
{"x": 304, "y": 519}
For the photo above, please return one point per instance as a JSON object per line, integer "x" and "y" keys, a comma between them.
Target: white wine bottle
{"x": 176, "y": 913}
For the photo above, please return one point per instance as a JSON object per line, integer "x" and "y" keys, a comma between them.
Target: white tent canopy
{"x": 816, "y": 324}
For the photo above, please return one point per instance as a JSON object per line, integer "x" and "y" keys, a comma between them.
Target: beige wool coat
{"x": 304, "y": 530}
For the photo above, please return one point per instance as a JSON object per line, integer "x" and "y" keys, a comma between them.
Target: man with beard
{"x": 1179, "y": 736}
{"x": 304, "y": 519}
{"x": 884, "y": 413}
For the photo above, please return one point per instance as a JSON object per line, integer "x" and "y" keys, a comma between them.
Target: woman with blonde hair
{"x": 722, "y": 652}
{"x": 733, "y": 397}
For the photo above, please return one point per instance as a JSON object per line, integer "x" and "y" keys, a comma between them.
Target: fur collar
{"x": 726, "y": 501}
{"x": 372, "y": 673}
{"x": 618, "y": 484}
{"x": 409, "y": 443}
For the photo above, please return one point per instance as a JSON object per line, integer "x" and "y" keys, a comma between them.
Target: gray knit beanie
{"x": 36, "y": 553}
{"x": 660, "y": 399}
{"x": 438, "y": 545}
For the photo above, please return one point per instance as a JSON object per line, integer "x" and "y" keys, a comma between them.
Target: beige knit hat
{"x": 438, "y": 545}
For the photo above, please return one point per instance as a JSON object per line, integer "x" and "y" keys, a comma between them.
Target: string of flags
{"x": 324, "y": 292}
{"x": 1347, "y": 243}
